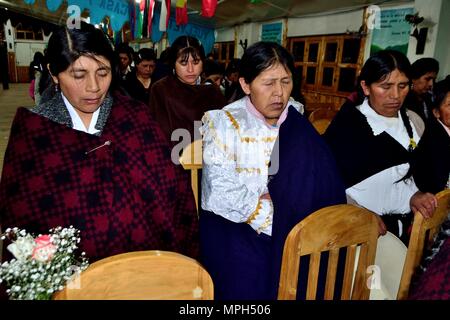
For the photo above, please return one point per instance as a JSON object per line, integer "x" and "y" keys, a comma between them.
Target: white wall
{"x": 329, "y": 24}
{"x": 25, "y": 51}
{"x": 431, "y": 14}
{"x": 435, "y": 12}
{"x": 224, "y": 35}
{"x": 442, "y": 48}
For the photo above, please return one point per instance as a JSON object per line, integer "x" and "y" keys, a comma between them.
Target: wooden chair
{"x": 191, "y": 159}
{"x": 321, "y": 119}
{"x": 329, "y": 229}
{"x": 422, "y": 236}
{"x": 141, "y": 275}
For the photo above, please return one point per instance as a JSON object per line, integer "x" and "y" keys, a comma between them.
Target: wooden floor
{"x": 16, "y": 96}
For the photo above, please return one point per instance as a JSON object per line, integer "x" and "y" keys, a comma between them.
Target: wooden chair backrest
{"x": 141, "y": 275}
{"x": 321, "y": 118}
{"x": 422, "y": 236}
{"x": 329, "y": 229}
{"x": 191, "y": 159}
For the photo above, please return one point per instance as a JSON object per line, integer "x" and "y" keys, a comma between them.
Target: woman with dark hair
{"x": 177, "y": 100}
{"x": 423, "y": 75}
{"x": 246, "y": 218}
{"x": 138, "y": 82}
{"x": 373, "y": 142}
{"x": 92, "y": 158}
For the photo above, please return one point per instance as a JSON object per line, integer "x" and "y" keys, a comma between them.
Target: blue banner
{"x": 205, "y": 35}
{"x": 116, "y": 10}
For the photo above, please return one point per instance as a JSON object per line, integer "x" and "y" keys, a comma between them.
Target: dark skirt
{"x": 237, "y": 258}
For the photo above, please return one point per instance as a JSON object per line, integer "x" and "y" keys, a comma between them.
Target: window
{"x": 328, "y": 65}
{"x": 29, "y": 35}
{"x": 223, "y": 52}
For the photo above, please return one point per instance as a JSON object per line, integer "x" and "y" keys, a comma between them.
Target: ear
{"x": 365, "y": 88}
{"x": 244, "y": 85}
{"x": 55, "y": 79}
{"x": 436, "y": 113}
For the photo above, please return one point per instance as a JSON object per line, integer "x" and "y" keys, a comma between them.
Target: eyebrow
{"x": 392, "y": 83}
{"x": 271, "y": 79}
{"x": 84, "y": 70}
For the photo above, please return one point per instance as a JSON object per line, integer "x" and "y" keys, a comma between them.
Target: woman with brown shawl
{"x": 177, "y": 100}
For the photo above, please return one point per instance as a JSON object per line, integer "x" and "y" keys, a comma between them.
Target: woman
{"x": 36, "y": 68}
{"x": 94, "y": 159}
{"x": 138, "y": 81}
{"x": 432, "y": 166}
{"x": 423, "y": 75}
{"x": 246, "y": 218}
{"x": 177, "y": 100}
{"x": 373, "y": 142}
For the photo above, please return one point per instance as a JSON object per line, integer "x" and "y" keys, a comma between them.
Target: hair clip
{"x": 107, "y": 143}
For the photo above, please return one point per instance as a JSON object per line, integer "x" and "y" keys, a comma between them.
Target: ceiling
{"x": 233, "y": 12}
{"x": 228, "y": 12}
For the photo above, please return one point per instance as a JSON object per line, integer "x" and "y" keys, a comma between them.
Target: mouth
{"x": 277, "y": 105}
{"x": 393, "y": 105}
{"x": 92, "y": 100}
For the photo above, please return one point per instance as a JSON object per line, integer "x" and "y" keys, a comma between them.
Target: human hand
{"x": 425, "y": 203}
{"x": 265, "y": 196}
{"x": 381, "y": 226}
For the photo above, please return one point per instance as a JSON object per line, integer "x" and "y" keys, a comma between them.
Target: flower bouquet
{"x": 41, "y": 265}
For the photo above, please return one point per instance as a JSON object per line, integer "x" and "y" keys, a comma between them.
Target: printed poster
{"x": 393, "y": 31}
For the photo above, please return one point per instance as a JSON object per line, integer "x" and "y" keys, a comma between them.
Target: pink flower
{"x": 44, "y": 249}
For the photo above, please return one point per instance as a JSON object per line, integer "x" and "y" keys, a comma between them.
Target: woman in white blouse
{"x": 241, "y": 229}
{"x": 373, "y": 142}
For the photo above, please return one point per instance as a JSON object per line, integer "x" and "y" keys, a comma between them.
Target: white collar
{"x": 76, "y": 120}
{"x": 377, "y": 123}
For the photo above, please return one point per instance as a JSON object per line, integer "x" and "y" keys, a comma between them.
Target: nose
{"x": 394, "y": 92}
{"x": 92, "y": 84}
{"x": 278, "y": 89}
{"x": 190, "y": 66}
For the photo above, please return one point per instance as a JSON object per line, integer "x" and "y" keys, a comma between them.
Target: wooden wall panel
{"x": 23, "y": 75}
{"x": 12, "y": 67}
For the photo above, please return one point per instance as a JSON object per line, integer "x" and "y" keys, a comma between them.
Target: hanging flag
{"x": 145, "y": 19}
{"x": 139, "y": 20}
{"x": 150, "y": 17}
{"x": 209, "y": 8}
{"x": 181, "y": 12}
{"x": 132, "y": 14}
{"x": 164, "y": 16}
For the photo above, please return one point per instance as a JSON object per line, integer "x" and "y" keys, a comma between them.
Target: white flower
{"x": 22, "y": 248}
{"x": 41, "y": 264}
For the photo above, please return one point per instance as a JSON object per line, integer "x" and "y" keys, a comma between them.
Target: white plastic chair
{"x": 390, "y": 258}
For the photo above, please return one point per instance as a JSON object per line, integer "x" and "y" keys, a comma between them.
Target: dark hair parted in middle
{"x": 67, "y": 45}
{"x": 183, "y": 47}
{"x": 379, "y": 66}
{"x": 382, "y": 63}
{"x": 261, "y": 56}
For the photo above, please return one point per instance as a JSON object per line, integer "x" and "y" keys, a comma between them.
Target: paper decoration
{"x": 209, "y": 8}
{"x": 164, "y": 15}
{"x": 181, "y": 12}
